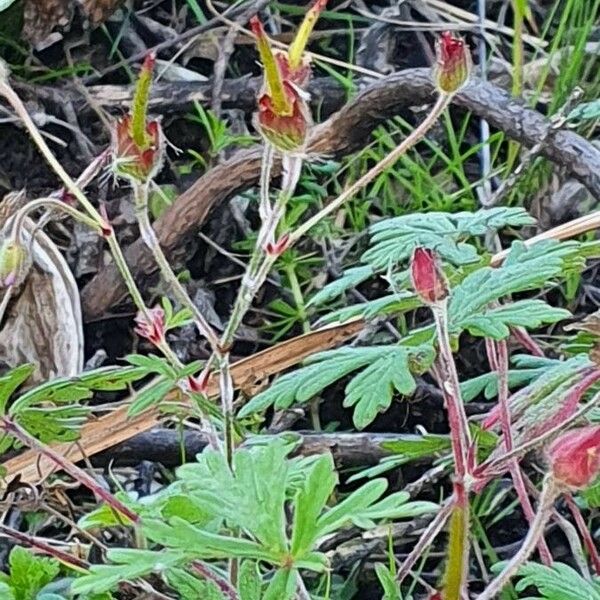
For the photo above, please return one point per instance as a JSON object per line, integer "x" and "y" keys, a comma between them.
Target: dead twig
{"x": 340, "y": 135}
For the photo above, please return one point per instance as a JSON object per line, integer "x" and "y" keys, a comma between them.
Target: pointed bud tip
{"x": 15, "y": 262}
{"x": 149, "y": 62}
{"x": 453, "y": 63}
{"x": 256, "y": 26}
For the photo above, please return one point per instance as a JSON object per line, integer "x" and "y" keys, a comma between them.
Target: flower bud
{"x": 427, "y": 277}
{"x": 152, "y": 327}
{"x": 453, "y": 63}
{"x": 277, "y": 248}
{"x": 287, "y": 133}
{"x": 138, "y": 144}
{"x": 15, "y": 262}
{"x": 283, "y": 115}
{"x": 574, "y": 457}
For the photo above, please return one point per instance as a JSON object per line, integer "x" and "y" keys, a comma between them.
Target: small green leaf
{"x": 350, "y": 279}
{"x": 282, "y": 586}
{"x": 189, "y": 586}
{"x": 249, "y": 581}
{"x": 391, "y": 591}
{"x": 558, "y": 582}
{"x": 30, "y": 573}
{"x": 309, "y": 502}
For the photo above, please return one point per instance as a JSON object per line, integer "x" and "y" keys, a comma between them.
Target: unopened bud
{"x": 279, "y": 247}
{"x": 199, "y": 384}
{"x": 15, "y": 262}
{"x": 427, "y": 277}
{"x": 152, "y": 326}
{"x": 574, "y": 457}
{"x": 453, "y": 63}
{"x": 138, "y": 145}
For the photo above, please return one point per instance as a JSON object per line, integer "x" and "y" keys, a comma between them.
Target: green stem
{"x": 415, "y": 136}
{"x": 149, "y": 236}
{"x": 290, "y": 271}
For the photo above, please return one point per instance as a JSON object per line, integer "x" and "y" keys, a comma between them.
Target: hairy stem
{"x": 149, "y": 236}
{"x": 457, "y": 558}
{"x": 536, "y": 530}
{"x": 13, "y": 99}
{"x": 224, "y": 586}
{"x": 584, "y": 531}
{"x": 501, "y": 363}
{"x": 426, "y": 539}
{"x": 415, "y": 136}
{"x": 450, "y": 385}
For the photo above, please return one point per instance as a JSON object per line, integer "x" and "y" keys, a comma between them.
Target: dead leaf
{"x": 43, "y": 323}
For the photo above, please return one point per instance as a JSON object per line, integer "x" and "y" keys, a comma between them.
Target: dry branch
{"x": 109, "y": 430}
{"x": 345, "y": 132}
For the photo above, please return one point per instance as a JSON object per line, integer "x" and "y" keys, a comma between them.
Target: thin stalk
{"x": 17, "y": 432}
{"x": 224, "y": 586}
{"x": 256, "y": 273}
{"x": 584, "y": 531}
{"x": 13, "y": 99}
{"x": 71, "y": 561}
{"x": 501, "y": 363}
{"x": 536, "y": 530}
{"x": 415, "y": 136}
{"x": 149, "y": 236}
{"x": 266, "y": 165}
{"x": 457, "y": 417}
{"x": 427, "y": 538}
{"x": 18, "y": 218}
{"x": 290, "y": 271}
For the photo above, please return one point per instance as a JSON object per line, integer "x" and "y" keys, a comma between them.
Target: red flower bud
{"x": 427, "y": 277}
{"x": 453, "y": 63}
{"x": 133, "y": 161}
{"x": 279, "y": 247}
{"x": 199, "y": 384}
{"x": 153, "y": 329}
{"x": 574, "y": 457}
{"x": 286, "y": 132}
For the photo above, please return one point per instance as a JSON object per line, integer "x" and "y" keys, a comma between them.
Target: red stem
{"x": 223, "y": 585}
{"x": 63, "y": 557}
{"x": 450, "y": 386}
{"x": 16, "y": 431}
{"x": 498, "y": 356}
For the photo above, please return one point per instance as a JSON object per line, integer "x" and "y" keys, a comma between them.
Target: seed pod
{"x": 453, "y": 63}
{"x": 138, "y": 144}
{"x": 283, "y": 115}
